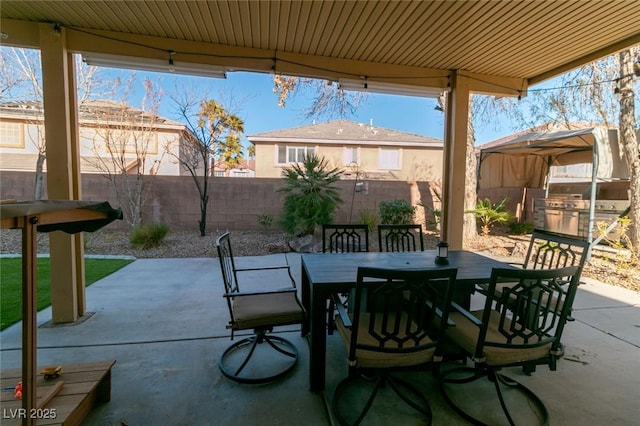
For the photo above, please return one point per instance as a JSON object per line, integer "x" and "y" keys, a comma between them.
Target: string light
{"x": 636, "y": 71}
{"x": 171, "y": 64}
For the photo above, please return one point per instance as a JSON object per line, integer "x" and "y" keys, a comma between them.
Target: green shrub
{"x": 369, "y": 218}
{"x": 489, "y": 214}
{"x": 148, "y": 235}
{"x": 311, "y": 199}
{"x": 517, "y": 228}
{"x": 265, "y": 220}
{"x": 395, "y": 212}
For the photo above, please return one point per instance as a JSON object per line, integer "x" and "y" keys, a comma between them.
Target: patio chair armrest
{"x": 468, "y": 315}
{"x": 263, "y": 269}
{"x": 257, "y": 293}
{"x": 342, "y": 311}
{"x": 271, "y": 268}
{"x": 438, "y": 312}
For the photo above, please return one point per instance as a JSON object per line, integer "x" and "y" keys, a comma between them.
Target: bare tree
{"x": 123, "y": 139}
{"x": 212, "y": 130}
{"x": 628, "y": 139}
{"x": 22, "y": 81}
{"x": 329, "y": 99}
{"x": 11, "y": 79}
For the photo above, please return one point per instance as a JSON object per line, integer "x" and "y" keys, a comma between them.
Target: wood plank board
{"x": 84, "y": 386}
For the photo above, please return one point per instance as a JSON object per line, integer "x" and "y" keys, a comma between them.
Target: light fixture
{"x": 172, "y": 65}
{"x": 443, "y": 253}
{"x": 366, "y": 85}
{"x": 157, "y": 65}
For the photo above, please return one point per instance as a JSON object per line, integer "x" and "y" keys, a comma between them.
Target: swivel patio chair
{"x": 526, "y": 330}
{"x": 397, "y": 326}
{"x": 404, "y": 237}
{"x": 259, "y": 311}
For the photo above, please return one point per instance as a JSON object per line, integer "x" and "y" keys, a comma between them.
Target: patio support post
{"x": 63, "y": 169}
{"x": 455, "y": 161}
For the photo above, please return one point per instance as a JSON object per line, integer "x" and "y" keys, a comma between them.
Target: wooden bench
{"x": 83, "y": 386}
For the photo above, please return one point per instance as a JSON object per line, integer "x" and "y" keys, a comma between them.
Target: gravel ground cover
{"x": 602, "y": 266}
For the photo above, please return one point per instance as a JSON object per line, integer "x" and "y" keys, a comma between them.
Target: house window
{"x": 293, "y": 154}
{"x": 389, "y": 159}
{"x": 351, "y": 155}
{"x": 11, "y": 134}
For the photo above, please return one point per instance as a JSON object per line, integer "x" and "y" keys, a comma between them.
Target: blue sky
{"x": 260, "y": 111}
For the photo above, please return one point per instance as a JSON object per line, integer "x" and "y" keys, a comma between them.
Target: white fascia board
{"x": 347, "y": 142}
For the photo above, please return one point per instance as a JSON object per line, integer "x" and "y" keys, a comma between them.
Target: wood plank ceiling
{"x": 531, "y": 40}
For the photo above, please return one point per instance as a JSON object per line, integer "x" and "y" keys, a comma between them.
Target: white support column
{"x": 63, "y": 174}
{"x": 455, "y": 162}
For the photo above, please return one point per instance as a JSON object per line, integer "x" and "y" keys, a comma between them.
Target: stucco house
{"x": 372, "y": 152}
{"x": 102, "y": 124}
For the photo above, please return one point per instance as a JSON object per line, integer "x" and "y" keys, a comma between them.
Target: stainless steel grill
{"x": 570, "y": 215}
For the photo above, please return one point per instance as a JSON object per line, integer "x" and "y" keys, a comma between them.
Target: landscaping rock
{"x": 306, "y": 244}
{"x": 279, "y": 247}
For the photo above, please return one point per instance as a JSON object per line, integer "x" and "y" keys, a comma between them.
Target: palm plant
{"x": 310, "y": 197}
{"x": 489, "y": 214}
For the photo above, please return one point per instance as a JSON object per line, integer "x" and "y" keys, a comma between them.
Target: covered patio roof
{"x": 412, "y": 42}
{"x": 459, "y": 47}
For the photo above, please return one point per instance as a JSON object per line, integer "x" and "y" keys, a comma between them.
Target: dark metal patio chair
{"x": 345, "y": 238}
{"x": 524, "y": 329}
{"x": 397, "y": 325}
{"x": 548, "y": 251}
{"x": 259, "y": 311}
{"x": 403, "y": 237}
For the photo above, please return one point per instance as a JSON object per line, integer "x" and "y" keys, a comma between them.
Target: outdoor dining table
{"x": 324, "y": 274}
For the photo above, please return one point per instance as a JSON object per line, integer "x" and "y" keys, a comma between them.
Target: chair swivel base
{"x": 249, "y": 345}
{"x": 473, "y": 374}
{"x": 407, "y": 393}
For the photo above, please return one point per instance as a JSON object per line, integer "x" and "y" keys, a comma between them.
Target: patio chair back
{"x": 345, "y": 238}
{"x": 227, "y": 265}
{"x": 404, "y": 237}
{"x": 551, "y": 251}
{"x": 530, "y": 317}
{"x": 398, "y": 323}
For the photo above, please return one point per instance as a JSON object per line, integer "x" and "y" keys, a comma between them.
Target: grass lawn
{"x": 11, "y": 283}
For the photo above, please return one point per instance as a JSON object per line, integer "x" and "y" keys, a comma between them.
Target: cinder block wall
{"x": 235, "y": 203}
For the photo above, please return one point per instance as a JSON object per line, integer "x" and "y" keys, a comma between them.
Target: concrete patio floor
{"x": 163, "y": 320}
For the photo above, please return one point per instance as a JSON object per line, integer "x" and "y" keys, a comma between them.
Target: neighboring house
{"x": 247, "y": 168}
{"x": 372, "y": 152}
{"x": 22, "y": 137}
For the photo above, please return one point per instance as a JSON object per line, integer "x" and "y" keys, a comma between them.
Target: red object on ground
{"x": 17, "y": 392}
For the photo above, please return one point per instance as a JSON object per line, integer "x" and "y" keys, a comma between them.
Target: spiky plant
{"x": 311, "y": 199}
{"x": 489, "y": 214}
